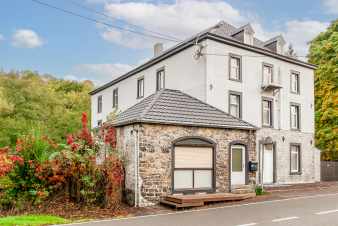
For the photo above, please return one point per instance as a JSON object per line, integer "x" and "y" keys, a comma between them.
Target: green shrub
{"x": 259, "y": 190}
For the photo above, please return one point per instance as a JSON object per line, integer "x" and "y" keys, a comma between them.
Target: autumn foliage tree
{"x": 324, "y": 53}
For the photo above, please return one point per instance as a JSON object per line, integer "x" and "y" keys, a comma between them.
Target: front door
{"x": 268, "y": 163}
{"x": 237, "y": 165}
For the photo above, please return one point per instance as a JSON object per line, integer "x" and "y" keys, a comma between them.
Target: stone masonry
{"x": 155, "y": 151}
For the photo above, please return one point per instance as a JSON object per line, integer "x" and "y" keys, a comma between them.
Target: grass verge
{"x": 32, "y": 220}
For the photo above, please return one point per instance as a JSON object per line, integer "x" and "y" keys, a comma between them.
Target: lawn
{"x": 32, "y": 220}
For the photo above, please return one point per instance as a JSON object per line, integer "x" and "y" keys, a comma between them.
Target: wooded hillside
{"x": 34, "y": 103}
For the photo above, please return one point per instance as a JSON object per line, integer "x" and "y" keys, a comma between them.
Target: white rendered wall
{"x": 182, "y": 72}
{"x": 219, "y": 85}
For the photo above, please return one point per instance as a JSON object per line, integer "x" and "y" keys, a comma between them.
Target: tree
{"x": 324, "y": 53}
{"x": 30, "y": 101}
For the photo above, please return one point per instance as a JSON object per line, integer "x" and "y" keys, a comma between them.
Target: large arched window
{"x": 193, "y": 165}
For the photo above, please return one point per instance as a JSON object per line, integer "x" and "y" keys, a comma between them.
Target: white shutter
{"x": 193, "y": 157}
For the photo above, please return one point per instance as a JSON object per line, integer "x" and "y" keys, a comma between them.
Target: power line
{"x": 117, "y": 19}
{"x": 101, "y": 22}
{"x": 168, "y": 38}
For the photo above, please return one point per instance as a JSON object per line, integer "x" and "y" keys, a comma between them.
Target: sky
{"x": 39, "y": 38}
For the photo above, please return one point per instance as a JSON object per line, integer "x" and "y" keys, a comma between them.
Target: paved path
{"x": 318, "y": 210}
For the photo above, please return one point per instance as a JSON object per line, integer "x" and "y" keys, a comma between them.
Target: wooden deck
{"x": 181, "y": 201}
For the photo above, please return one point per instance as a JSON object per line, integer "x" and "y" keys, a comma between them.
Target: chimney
{"x": 158, "y": 49}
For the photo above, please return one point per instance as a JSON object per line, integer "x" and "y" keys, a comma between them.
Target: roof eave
{"x": 251, "y": 128}
{"x": 188, "y": 43}
{"x": 260, "y": 50}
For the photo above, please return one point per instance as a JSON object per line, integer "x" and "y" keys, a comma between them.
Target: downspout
{"x": 136, "y": 168}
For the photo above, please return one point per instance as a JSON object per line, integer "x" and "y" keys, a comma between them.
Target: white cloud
{"x": 331, "y": 6}
{"x": 300, "y": 33}
{"x": 183, "y": 18}
{"x": 180, "y": 19}
{"x": 98, "y": 73}
{"x": 25, "y": 38}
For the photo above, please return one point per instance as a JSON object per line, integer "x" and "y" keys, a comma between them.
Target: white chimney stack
{"x": 158, "y": 49}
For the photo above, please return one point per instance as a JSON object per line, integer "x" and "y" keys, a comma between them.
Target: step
{"x": 181, "y": 205}
{"x": 214, "y": 197}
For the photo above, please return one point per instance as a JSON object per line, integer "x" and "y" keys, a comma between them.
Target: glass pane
{"x": 234, "y": 99}
{"x": 183, "y": 179}
{"x": 268, "y": 147}
{"x": 234, "y": 111}
{"x": 294, "y": 161}
{"x": 267, "y": 76}
{"x": 266, "y": 117}
{"x": 234, "y": 73}
{"x": 236, "y": 159}
{"x": 202, "y": 178}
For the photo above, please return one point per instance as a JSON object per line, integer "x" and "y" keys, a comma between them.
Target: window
{"x": 267, "y": 113}
{"x": 295, "y": 159}
{"x": 267, "y": 74}
{"x": 160, "y": 79}
{"x": 294, "y": 86}
{"x": 115, "y": 98}
{"x": 99, "y": 104}
{"x": 140, "y": 88}
{"x": 235, "y": 104}
{"x": 99, "y": 123}
{"x": 295, "y": 116}
{"x": 235, "y": 68}
{"x": 193, "y": 168}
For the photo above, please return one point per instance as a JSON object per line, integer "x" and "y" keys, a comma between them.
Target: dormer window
{"x": 267, "y": 74}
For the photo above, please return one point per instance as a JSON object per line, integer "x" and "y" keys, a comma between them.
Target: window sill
{"x": 235, "y": 80}
{"x": 295, "y": 173}
{"x": 138, "y": 98}
{"x": 266, "y": 126}
{"x": 295, "y": 130}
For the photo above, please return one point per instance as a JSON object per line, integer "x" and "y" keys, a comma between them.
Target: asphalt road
{"x": 318, "y": 210}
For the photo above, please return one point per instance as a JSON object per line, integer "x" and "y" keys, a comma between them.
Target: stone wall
{"x": 155, "y": 142}
{"x": 126, "y": 146}
{"x": 310, "y": 157}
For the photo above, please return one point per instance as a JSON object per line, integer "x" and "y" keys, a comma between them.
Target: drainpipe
{"x": 136, "y": 168}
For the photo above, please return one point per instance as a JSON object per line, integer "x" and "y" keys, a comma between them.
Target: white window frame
{"x": 295, "y": 116}
{"x": 269, "y": 108}
{"x": 294, "y": 82}
{"x": 237, "y": 105}
{"x": 295, "y": 150}
{"x": 235, "y": 70}
{"x": 267, "y": 78}
{"x": 160, "y": 79}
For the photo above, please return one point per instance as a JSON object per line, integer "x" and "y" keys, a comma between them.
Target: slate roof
{"x": 177, "y": 108}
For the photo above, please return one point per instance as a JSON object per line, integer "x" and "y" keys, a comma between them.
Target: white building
{"x": 233, "y": 71}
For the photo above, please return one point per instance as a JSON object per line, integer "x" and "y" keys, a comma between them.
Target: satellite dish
{"x": 198, "y": 51}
